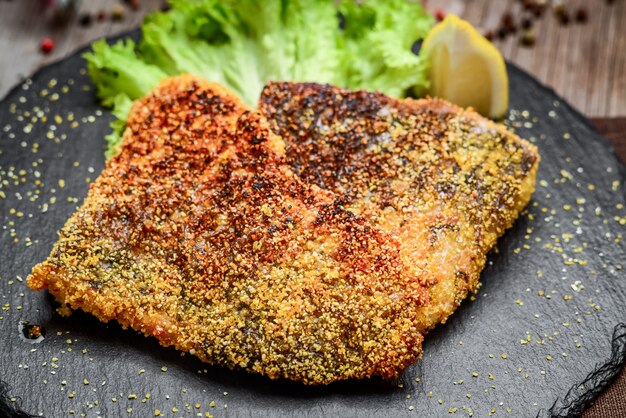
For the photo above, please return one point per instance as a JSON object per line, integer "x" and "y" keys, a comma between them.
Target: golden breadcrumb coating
{"x": 444, "y": 181}
{"x": 198, "y": 234}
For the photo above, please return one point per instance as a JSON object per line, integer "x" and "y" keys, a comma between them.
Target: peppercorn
{"x": 117, "y": 12}
{"x": 502, "y": 33}
{"x": 440, "y": 15}
{"x": 490, "y": 35}
{"x": 528, "y": 38}
{"x": 559, "y": 8}
{"x": 85, "y": 20}
{"x": 47, "y": 45}
{"x": 135, "y": 4}
{"x": 507, "y": 23}
{"x": 527, "y": 23}
{"x": 507, "y": 20}
{"x": 101, "y": 15}
{"x": 581, "y": 15}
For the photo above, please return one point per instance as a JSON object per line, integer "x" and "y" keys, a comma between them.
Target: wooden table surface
{"x": 24, "y": 23}
{"x": 584, "y": 63}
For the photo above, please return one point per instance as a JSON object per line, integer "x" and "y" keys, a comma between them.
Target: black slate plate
{"x": 545, "y": 333}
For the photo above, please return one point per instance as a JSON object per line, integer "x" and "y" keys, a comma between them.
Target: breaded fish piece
{"x": 198, "y": 234}
{"x": 444, "y": 181}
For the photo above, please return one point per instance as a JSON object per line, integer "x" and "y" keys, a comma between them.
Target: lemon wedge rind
{"x": 465, "y": 68}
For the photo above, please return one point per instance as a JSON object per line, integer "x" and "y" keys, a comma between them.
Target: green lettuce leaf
{"x": 120, "y": 77}
{"x": 243, "y": 44}
{"x": 116, "y": 69}
{"x": 379, "y": 36}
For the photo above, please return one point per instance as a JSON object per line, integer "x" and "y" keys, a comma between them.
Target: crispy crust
{"x": 196, "y": 233}
{"x": 444, "y": 181}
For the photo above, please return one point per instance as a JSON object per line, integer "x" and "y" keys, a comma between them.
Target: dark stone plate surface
{"x": 545, "y": 333}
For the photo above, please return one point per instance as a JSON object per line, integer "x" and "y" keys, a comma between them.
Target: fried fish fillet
{"x": 444, "y": 181}
{"x": 198, "y": 234}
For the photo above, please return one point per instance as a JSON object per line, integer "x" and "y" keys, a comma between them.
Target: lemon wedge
{"x": 465, "y": 68}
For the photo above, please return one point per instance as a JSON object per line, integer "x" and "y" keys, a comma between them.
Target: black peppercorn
{"x": 85, "y": 20}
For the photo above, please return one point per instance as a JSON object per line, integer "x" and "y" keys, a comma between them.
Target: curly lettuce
{"x": 243, "y": 44}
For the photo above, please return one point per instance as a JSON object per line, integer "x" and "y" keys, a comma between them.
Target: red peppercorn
{"x": 440, "y": 15}
{"x": 490, "y": 35}
{"x": 507, "y": 20}
{"x": 581, "y": 15}
{"x": 47, "y": 45}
